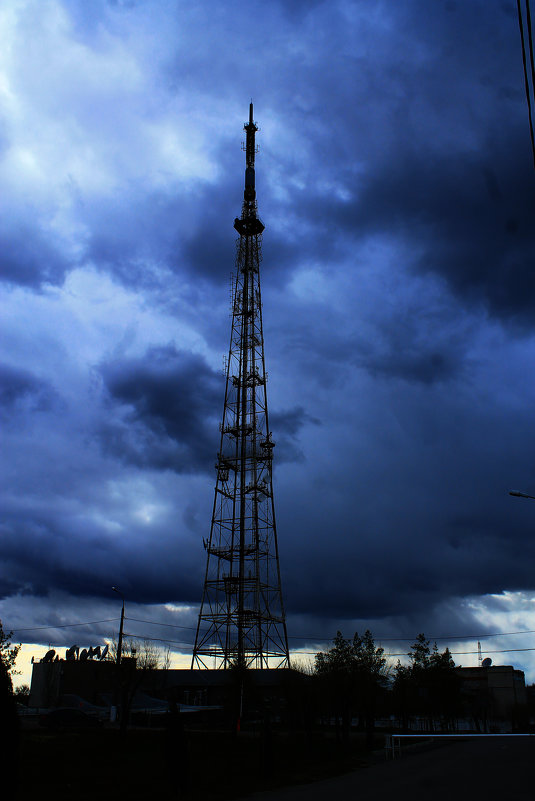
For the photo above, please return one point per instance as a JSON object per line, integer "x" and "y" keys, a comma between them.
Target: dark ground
{"x": 155, "y": 763}
{"x": 475, "y": 770}
{"x": 150, "y": 764}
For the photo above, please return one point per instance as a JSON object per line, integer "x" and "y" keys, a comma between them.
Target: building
{"x": 495, "y": 698}
{"x": 96, "y": 681}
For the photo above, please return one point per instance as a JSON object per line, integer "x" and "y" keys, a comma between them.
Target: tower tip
{"x": 250, "y": 112}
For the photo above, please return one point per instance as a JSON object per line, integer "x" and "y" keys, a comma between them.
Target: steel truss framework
{"x": 241, "y": 619}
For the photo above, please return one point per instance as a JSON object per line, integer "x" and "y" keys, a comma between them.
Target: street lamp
{"x": 521, "y": 495}
{"x": 120, "y": 643}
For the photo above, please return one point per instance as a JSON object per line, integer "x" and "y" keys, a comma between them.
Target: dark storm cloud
{"x": 30, "y": 257}
{"x": 475, "y": 229}
{"x": 172, "y": 400}
{"x": 46, "y": 554}
{"x": 20, "y": 387}
{"x": 412, "y": 575}
{"x": 439, "y": 524}
{"x": 464, "y": 219}
{"x": 209, "y": 248}
{"x": 422, "y": 367}
{"x": 408, "y": 581}
{"x": 286, "y": 427}
{"x": 424, "y": 341}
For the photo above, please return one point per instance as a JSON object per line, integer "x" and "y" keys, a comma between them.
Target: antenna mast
{"x": 241, "y": 619}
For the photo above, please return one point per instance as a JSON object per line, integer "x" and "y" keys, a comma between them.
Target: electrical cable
{"x": 155, "y": 623}
{"x": 316, "y": 637}
{"x": 157, "y": 639}
{"x": 377, "y": 638}
{"x": 450, "y": 637}
{"x": 530, "y": 41}
{"x": 452, "y": 653}
{"x": 66, "y": 625}
{"x": 524, "y": 63}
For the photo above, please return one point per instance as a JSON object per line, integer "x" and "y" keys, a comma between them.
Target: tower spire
{"x": 249, "y": 224}
{"x": 241, "y": 619}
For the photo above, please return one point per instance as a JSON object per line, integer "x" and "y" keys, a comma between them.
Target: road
{"x": 475, "y": 770}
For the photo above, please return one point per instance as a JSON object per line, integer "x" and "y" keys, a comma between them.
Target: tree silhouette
{"x": 428, "y": 687}
{"x": 352, "y": 673}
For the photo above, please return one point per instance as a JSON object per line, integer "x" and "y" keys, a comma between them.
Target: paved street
{"x": 475, "y": 770}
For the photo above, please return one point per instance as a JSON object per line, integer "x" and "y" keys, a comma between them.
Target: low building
{"x": 495, "y": 697}
{"x": 89, "y": 679}
{"x": 95, "y": 681}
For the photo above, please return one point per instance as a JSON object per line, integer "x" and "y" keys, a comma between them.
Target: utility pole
{"x": 117, "y": 692}
{"x": 241, "y": 620}
{"x": 121, "y": 625}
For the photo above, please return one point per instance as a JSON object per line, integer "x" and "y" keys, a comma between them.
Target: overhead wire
{"x": 524, "y": 63}
{"x": 530, "y": 41}
{"x": 389, "y": 654}
{"x": 157, "y": 639}
{"x": 65, "y": 625}
{"x": 452, "y": 653}
{"x": 309, "y": 637}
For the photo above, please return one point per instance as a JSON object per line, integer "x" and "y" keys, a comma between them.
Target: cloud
{"x": 394, "y": 181}
{"x": 170, "y": 402}
{"x": 30, "y": 256}
{"x": 480, "y": 241}
{"x": 20, "y": 387}
{"x": 170, "y": 397}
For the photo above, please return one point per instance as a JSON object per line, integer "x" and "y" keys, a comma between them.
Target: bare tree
{"x": 8, "y": 655}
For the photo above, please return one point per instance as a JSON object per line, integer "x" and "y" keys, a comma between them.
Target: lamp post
{"x": 113, "y": 709}
{"x": 521, "y": 495}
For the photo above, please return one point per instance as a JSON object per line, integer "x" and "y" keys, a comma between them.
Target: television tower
{"x": 241, "y": 619}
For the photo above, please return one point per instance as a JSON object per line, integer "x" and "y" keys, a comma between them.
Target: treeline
{"x": 353, "y": 682}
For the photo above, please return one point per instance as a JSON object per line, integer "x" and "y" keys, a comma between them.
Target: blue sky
{"x": 396, "y": 184}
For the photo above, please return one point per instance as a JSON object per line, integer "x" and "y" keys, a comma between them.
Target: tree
{"x": 8, "y": 710}
{"x": 148, "y": 657}
{"x": 428, "y": 686}
{"x": 8, "y": 655}
{"x": 420, "y": 654}
{"x": 22, "y": 694}
{"x": 354, "y": 672}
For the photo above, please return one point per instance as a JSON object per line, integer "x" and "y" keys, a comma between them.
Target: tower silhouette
{"x": 241, "y": 619}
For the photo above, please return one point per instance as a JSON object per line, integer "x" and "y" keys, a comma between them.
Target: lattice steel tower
{"x": 241, "y": 620}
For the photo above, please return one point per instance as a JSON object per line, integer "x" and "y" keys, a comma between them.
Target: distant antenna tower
{"x": 241, "y": 619}
{"x": 479, "y": 654}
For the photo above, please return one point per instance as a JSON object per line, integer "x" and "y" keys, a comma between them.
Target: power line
{"x": 453, "y": 653}
{"x": 66, "y": 625}
{"x": 378, "y": 638}
{"x": 524, "y": 63}
{"x": 317, "y": 637}
{"x": 450, "y": 637}
{"x": 155, "y": 623}
{"x": 158, "y": 639}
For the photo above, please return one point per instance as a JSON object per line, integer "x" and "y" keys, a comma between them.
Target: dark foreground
{"x": 173, "y": 764}
{"x": 215, "y": 766}
{"x": 471, "y": 769}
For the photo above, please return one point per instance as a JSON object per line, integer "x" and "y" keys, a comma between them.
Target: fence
{"x": 393, "y": 741}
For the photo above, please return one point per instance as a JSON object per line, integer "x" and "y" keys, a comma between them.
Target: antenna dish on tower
{"x": 487, "y": 662}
